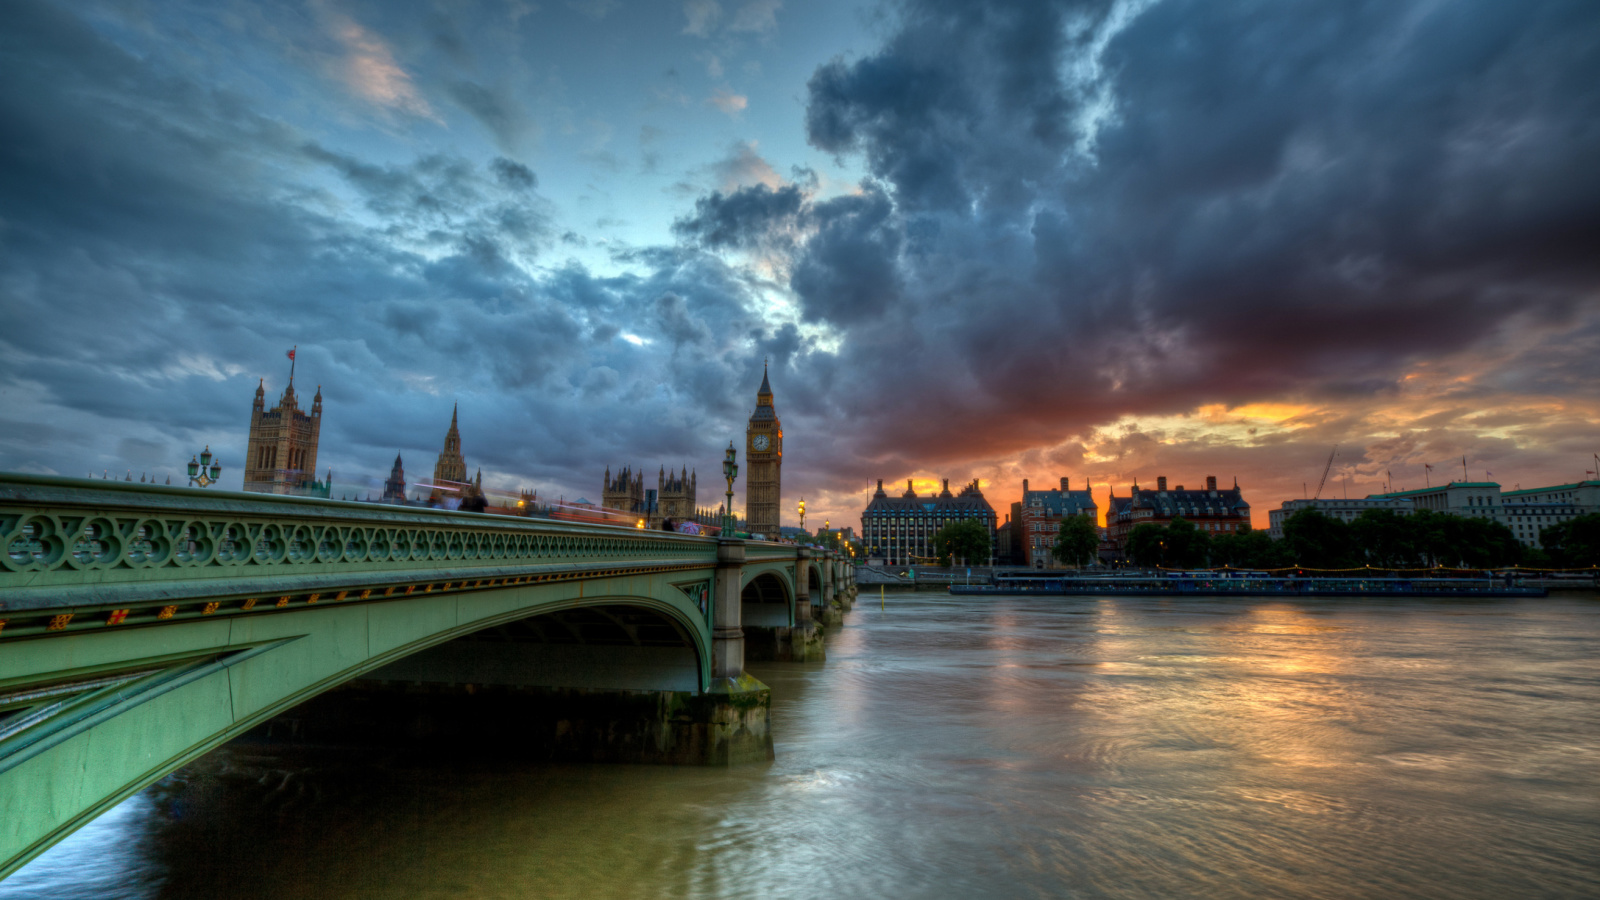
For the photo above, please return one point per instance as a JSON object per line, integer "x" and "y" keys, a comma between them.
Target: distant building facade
{"x": 1474, "y": 499}
{"x": 1529, "y": 512}
{"x": 1343, "y": 510}
{"x": 900, "y": 529}
{"x": 1526, "y": 512}
{"x": 673, "y": 497}
{"x": 281, "y": 456}
{"x": 1036, "y": 520}
{"x": 1212, "y": 509}
{"x": 1005, "y": 547}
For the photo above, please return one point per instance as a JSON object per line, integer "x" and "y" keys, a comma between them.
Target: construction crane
{"x": 1325, "y": 470}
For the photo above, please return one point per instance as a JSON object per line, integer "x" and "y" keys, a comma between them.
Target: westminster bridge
{"x": 142, "y": 626}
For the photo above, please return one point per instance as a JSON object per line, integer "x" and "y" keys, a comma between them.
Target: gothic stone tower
{"x": 282, "y": 454}
{"x": 394, "y": 490}
{"x": 451, "y": 467}
{"x": 674, "y": 495}
{"x": 624, "y": 492}
{"x": 763, "y": 464}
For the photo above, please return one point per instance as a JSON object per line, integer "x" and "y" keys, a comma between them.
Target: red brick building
{"x": 1212, "y": 510}
{"x": 1036, "y": 520}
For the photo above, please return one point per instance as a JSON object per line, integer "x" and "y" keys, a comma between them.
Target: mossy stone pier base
{"x": 801, "y": 643}
{"x": 723, "y": 726}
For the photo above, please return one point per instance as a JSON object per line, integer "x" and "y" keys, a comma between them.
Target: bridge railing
{"x": 66, "y": 540}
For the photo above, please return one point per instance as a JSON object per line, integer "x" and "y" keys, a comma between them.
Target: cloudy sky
{"x": 1100, "y": 240}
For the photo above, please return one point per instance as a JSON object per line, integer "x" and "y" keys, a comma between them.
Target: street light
{"x": 204, "y": 472}
{"x": 730, "y": 469}
{"x": 802, "y": 514}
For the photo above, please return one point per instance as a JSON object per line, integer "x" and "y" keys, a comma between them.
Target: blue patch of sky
{"x": 625, "y": 111}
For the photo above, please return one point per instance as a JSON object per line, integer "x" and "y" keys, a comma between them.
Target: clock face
{"x": 761, "y": 442}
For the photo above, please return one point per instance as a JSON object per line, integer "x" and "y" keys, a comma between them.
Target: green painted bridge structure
{"x": 141, "y": 626}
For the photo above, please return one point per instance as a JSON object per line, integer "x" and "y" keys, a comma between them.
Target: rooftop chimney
{"x": 1063, "y": 485}
{"x": 1211, "y": 482}
{"x": 1161, "y": 482}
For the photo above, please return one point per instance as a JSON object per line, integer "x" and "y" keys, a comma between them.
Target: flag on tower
{"x": 290, "y": 354}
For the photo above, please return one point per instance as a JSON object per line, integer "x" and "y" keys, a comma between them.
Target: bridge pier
{"x": 800, "y": 642}
{"x": 832, "y": 614}
{"x": 845, "y": 590}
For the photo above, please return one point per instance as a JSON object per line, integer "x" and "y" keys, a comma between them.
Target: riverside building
{"x": 1343, "y": 510}
{"x": 899, "y": 530}
{"x": 1036, "y": 520}
{"x": 1529, "y": 512}
{"x": 1214, "y": 510}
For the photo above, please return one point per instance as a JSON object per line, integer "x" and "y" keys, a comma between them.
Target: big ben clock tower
{"x": 763, "y": 449}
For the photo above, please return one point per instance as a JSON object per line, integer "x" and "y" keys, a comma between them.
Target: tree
{"x": 1076, "y": 541}
{"x": 966, "y": 539}
{"x": 1318, "y": 541}
{"x": 1147, "y": 544}
{"x": 1187, "y": 546}
{"x": 1247, "y": 549}
{"x": 1385, "y": 538}
{"x": 823, "y": 538}
{"x": 1574, "y": 543}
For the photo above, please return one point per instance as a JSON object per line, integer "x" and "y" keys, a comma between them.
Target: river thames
{"x": 969, "y": 747}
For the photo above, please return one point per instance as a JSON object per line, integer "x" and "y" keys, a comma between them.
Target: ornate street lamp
{"x": 730, "y": 469}
{"x": 802, "y": 514}
{"x": 203, "y": 471}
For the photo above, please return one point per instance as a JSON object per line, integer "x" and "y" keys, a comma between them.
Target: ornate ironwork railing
{"x": 57, "y": 531}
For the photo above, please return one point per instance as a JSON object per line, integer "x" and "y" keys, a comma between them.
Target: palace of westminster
{"x": 281, "y": 458}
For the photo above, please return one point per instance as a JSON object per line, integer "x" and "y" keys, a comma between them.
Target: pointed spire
{"x": 766, "y": 387}
{"x": 453, "y": 408}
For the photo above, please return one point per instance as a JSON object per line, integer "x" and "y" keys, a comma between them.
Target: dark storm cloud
{"x": 1231, "y": 201}
{"x": 162, "y": 243}
{"x": 742, "y": 219}
{"x": 848, "y": 273}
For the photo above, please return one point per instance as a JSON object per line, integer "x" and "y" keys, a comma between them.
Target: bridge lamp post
{"x": 203, "y": 471}
{"x": 730, "y": 470}
{"x": 802, "y": 514}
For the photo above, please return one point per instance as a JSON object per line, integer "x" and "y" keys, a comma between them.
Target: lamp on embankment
{"x": 802, "y": 514}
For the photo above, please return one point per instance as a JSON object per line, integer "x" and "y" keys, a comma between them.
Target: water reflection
{"x": 1026, "y": 747}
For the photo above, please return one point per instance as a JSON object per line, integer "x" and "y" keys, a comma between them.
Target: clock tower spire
{"x": 763, "y": 464}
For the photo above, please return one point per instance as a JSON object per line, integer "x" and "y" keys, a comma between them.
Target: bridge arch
{"x": 813, "y": 571}
{"x": 767, "y": 600}
{"x": 171, "y": 694}
{"x": 607, "y": 643}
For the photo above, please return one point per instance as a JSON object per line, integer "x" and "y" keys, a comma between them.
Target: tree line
{"x": 1379, "y": 538}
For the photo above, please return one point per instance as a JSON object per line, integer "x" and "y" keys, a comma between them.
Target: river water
{"x": 967, "y": 747}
